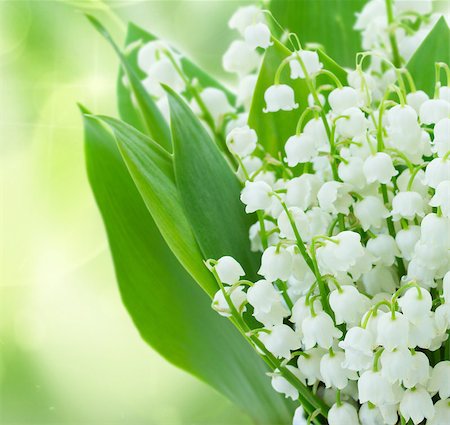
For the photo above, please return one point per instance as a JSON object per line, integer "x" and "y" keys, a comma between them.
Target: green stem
{"x": 392, "y": 38}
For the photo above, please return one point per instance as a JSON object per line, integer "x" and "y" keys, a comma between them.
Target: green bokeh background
{"x": 69, "y": 353}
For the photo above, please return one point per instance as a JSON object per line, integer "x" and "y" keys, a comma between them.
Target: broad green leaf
{"x": 169, "y": 309}
{"x": 327, "y": 22}
{"x": 274, "y": 128}
{"x": 151, "y": 168}
{"x": 151, "y": 115}
{"x": 435, "y": 48}
{"x": 209, "y": 189}
{"x": 136, "y": 37}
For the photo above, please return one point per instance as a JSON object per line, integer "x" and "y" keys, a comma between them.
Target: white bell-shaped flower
{"x": 302, "y": 191}
{"x": 281, "y": 385}
{"x": 416, "y": 99}
{"x": 242, "y": 140}
{"x": 309, "y": 364}
{"x": 374, "y": 387}
{"x": 389, "y": 413}
{"x": 163, "y": 72}
{"x": 442, "y": 129}
{"x": 442, "y": 318}
{"x": 352, "y": 124}
{"x": 229, "y": 270}
{"x": 245, "y": 16}
{"x": 396, "y": 364}
{"x": 300, "y": 418}
{"x": 441, "y": 413}
{"x": 343, "y": 98}
{"x": 150, "y": 53}
{"x": 433, "y": 110}
{"x": 301, "y": 222}
{"x": 440, "y": 379}
{"x": 301, "y": 311}
{"x": 418, "y": 184}
{"x": 371, "y": 212}
{"x": 441, "y": 198}
{"x": 415, "y": 304}
{"x": 315, "y": 128}
{"x": 351, "y": 172}
{"x": 379, "y": 168}
{"x": 276, "y": 263}
{"x": 310, "y": 61}
{"x": 348, "y": 304}
{"x": 279, "y": 97}
{"x": 392, "y": 332}
{"x": 251, "y": 164}
{"x": 245, "y": 90}
{"x": 446, "y": 287}
{"x": 333, "y": 374}
{"x": 358, "y": 346}
{"x": 416, "y": 405}
{"x": 258, "y": 35}
{"x": 419, "y": 370}
{"x": 407, "y": 205}
{"x": 334, "y": 197}
{"x": 280, "y": 341}
{"x": 256, "y": 196}
{"x": 240, "y": 58}
{"x": 300, "y": 149}
{"x": 423, "y": 332}
{"x": 343, "y": 413}
{"x": 380, "y": 278}
{"x": 237, "y": 296}
{"x": 320, "y": 330}
{"x": 319, "y": 221}
{"x": 437, "y": 171}
{"x": 262, "y": 296}
{"x": 371, "y": 415}
{"x": 216, "y": 102}
{"x": 384, "y": 248}
{"x": 341, "y": 255}
{"x": 402, "y": 116}
{"x": 406, "y": 240}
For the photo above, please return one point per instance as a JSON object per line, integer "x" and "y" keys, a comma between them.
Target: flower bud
{"x": 310, "y": 61}
{"x": 240, "y": 58}
{"x": 343, "y": 98}
{"x": 229, "y": 270}
{"x": 341, "y": 414}
{"x": 433, "y": 110}
{"x": 384, "y": 248}
{"x": 279, "y": 97}
{"x": 352, "y": 124}
{"x": 258, "y": 35}
{"x": 242, "y": 140}
{"x": 237, "y": 297}
{"x": 406, "y": 241}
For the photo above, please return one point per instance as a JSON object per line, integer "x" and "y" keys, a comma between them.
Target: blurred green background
{"x": 69, "y": 353}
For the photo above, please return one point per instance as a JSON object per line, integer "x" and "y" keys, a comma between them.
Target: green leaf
{"x": 274, "y": 128}
{"x": 435, "y": 48}
{"x": 327, "y": 22}
{"x": 152, "y": 117}
{"x": 127, "y": 109}
{"x": 209, "y": 189}
{"x": 151, "y": 168}
{"x": 169, "y": 309}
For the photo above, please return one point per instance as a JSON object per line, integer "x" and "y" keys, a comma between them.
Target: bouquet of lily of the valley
{"x": 309, "y": 206}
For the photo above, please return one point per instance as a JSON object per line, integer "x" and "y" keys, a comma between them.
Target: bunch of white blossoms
{"x": 354, "y": 228}
{"x": 353, "y": 221}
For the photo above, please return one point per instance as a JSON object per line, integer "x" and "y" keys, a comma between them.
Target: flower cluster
{"x": 352, "y": 220}
{"x": 354, "y": 228}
